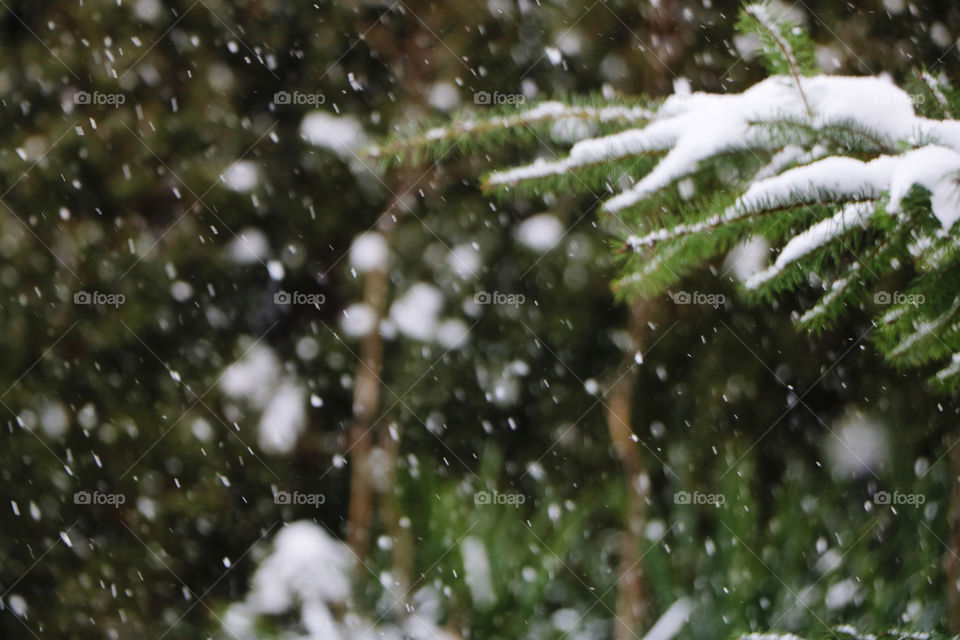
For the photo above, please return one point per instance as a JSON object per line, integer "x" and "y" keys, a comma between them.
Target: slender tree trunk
{"x": 951, "y": 559}
{"x": 631, "y": 600}
{"x": 366, "y": 402}
{"x": 402, "y": 563}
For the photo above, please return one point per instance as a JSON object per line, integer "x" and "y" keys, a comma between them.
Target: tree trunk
{"x": 366, "y": 402}
{"x": 951, "y": 559}
{"x": 631, "y": 600}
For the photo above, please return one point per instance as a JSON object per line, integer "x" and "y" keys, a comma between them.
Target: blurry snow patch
{"x": 201, "y": 429}
{"x": 275, "y": 270}
{"x": 253, "y": 376}
{"x": 840, "y": 594}
{"x": 284, "y": 418}
{"x": 415, "y": 312}
{"x": 369, "y": 252}
{"x": 308, "y": 574}
{"x": 464, "y": 260}
{"x": 306, "y": 565}
{"x": 859, "y": 446}
{"x": 935, "y": 168}
{"x": 565, "y": 620}
{"x": 241, "y": 176}
{"x": 476, "y": 566}
{"x": 54, "y": 419}
{"x": 503, "y": 387}
{"x": 181, "y": 291}
{"x": 671, "y": 621}
{"x": 452, "y": 333}
{"x": 17, "y": 605}
{"x": 147, "y": 507}
{"x": 250, "y": 245}
{"x": 257, "y": 378}
{"x": 443, "y": 96}
{"x": 358, "y": 320}
{"x": 829, "y": 58}
{"x": 308, "y": 570}
{"x": 148, "y": 10}
{"x": 554, "y": 55}
{"x": 895, "y": 6}
{"x": 941, "y": 36}
{"x": 571, "y": 130}
{"x": 343, "y": 135}
{"x": 540, "y": 232}
{"x": 747, "y": 258}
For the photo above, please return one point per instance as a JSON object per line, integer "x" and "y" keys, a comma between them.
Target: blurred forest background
{"x": 149, "y": 151}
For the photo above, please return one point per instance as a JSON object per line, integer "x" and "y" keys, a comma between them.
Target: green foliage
{"x": 786, "y": 47}
{"x": 854, "y": 247}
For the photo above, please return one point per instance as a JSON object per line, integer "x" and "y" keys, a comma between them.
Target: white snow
{"x": 415, "y": 312}
{"x": 54, "y": 419}
{"x": 307, "y": 569}
{"x": 936, "y": 168}
{"x": 452, "y": 333}
{"x": 258, "y": 378}
{"x": 690, "y": 128}
{"x": 840, "y": 594}
{"x": 541, "y": 232}
{"x": 369, "y": 252}
{"x": 476, "y": 566}
{"x": 852, "y": 216}
{"x": 747, "y": 258}
{"x": 443, "y": 96}
{"x": 253, "y": 376}
{"x": 241, "y": 176}
{"x": 358, "y": 320}
{"x": 18, "y": 605}
{"x": 249, "y": 246}
{"x": 344, "y": 135}
{"x": 856, "y": 446}
{"x": 308, "y": 574}
{"x": 464, "y": 260}
{"x": 672, "y": 620}
{"x": 283, "y": 419}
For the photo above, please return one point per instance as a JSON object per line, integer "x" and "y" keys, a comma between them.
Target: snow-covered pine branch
{"x": 852, "y": 180}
